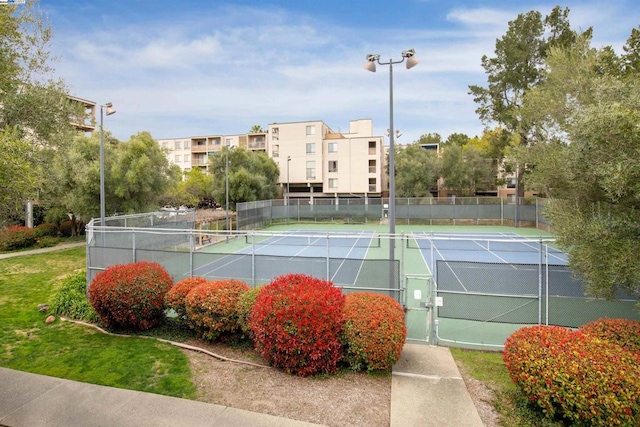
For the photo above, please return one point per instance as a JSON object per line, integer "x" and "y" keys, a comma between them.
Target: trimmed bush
{"x": 297, "y": 321}
{"x": 624, "y": 332}
{"x": 71, "y": 299}
{"x": 130, "y": 295}
{"x": 245, "y": 305}
{"x": 17, "y": 237}
{"x": 175, "y": 298}
{"x": 46, "y": 229}
{"x": 48, "y": 241}
{"x": 576, "y": 376}
{"x": 374, "y": 331}
{"x": 211, "y": 308}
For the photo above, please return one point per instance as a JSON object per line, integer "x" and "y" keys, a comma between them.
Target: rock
{"x": 50, "y": 319}
{"x": 43, "y": 307}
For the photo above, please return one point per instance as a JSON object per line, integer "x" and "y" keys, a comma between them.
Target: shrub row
{"x": 17, "y": 237}
{"x": 575, "y": 375}
{"x": 298, "y": 323}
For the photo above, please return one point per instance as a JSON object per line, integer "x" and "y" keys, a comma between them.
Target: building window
{"x": 311, "y": 130}
{"x": 333, "y": 147}
{"x": 177, "y": 158}
{"x": 333, "y": 182}
{"x": 372, "y": 166}
{"x": 186, "y": 144}
{"x": 165, "y": 144}
{"x": 275, "y": 134}
{"x": 275, "y": 151}
{"x": 228, "y": 141}
{"x": 177, "y": 145}
{"x": 311, "y": 170}
{"x": 311, "y": 148}
{"x": 372, "y": 184}
{"x": 333, "y": 166}
{"x": 372, "y": 147}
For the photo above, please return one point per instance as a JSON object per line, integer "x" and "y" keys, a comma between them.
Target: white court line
{"x": 364, "y": 234}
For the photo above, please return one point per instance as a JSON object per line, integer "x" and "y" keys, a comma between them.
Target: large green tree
{"x": 466, "y": 170}
{"x": 140, "y": 174}
{"x": 590, "y": 164}
{"x": 252, "y": 176}
{"x": 417, "y": 170}
{"x": 34, "y": 108}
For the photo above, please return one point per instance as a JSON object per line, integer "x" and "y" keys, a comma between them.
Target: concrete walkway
{"x": 426, "y": 390}
{"x": 42, "y": 250}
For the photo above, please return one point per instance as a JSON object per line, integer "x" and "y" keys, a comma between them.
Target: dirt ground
{"x": 346, "y": 399}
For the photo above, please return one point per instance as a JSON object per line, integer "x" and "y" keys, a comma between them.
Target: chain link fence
{"x": 419, "y": 211}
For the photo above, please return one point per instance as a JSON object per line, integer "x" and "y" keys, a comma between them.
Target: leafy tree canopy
{"x": 252, "y": 176}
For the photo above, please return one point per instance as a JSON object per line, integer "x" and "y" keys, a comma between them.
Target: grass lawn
{"x": 71, "y": 351}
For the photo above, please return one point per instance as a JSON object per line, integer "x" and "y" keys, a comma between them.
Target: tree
{"x": 465, "y": 170}
{"x": 140, "y": 174}
{"x": 256, "y": 129}
{"x": 252, "y": 176}
{"x": 19, "y": 174}
{"x": 459, "y": 139}
{"x": 518, "y": 66}
{"x": 589, "y": 164}
{"x": 196, "y": 186}
{"x": 34, "y": 108}
{"x": 417, "y": 170}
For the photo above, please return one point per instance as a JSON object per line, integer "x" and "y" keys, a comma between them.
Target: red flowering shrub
{"x": 245, "y": 305}
{"x": 175, "y": 298}
{"x": 211, "y": 307}
{"x": 296, "y": 322}
{"x": 374, "y": 331}
{"x": 624, "y": 332}
{"x": 130, "y": 295}
{"x": 16, "y": 237}
{"x": 576, "y": 376}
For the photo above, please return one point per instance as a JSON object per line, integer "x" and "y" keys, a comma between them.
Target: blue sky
{"x": 188, "y": 68}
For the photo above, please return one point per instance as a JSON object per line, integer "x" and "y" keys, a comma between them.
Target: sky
{"x": 206, "y": 67}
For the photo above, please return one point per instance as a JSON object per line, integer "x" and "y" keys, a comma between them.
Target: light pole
{"x": 287, "y": 198}
{"x": 226, "y": 184}
{"x": 370, "y": 65}
{"x": 110, "y": 111}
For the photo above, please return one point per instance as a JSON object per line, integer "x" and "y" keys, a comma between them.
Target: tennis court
{"x": 258, "y": 257}
{"x": 501, "y": 247}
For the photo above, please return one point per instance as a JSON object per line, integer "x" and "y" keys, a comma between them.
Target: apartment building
{"x": 190, "y": 152}
{"x": 314, "y": 160}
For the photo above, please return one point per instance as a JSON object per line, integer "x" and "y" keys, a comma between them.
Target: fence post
{"x": 328, "y": 258}
{"x": 540, "y": 282}
{"x": 191, "y": 249}
{"x": 133, "y": 243}
{"x": 253, "y": 258}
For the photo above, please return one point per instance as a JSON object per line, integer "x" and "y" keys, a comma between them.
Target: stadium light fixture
{"x": 108, "y": 110}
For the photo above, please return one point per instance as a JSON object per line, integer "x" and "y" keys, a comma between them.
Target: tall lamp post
{"x": 226, "y": 184}
{"x": 288, "y": 161}
{"x": 109, "y": 111}
{"x": 370, "y": 65}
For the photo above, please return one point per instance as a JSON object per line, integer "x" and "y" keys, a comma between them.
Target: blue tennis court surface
{"x": 262, "y": 256}
{"x": 502, "y": 248}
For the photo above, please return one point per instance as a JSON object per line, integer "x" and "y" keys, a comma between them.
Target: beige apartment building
{"x": 314, "y": 160}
